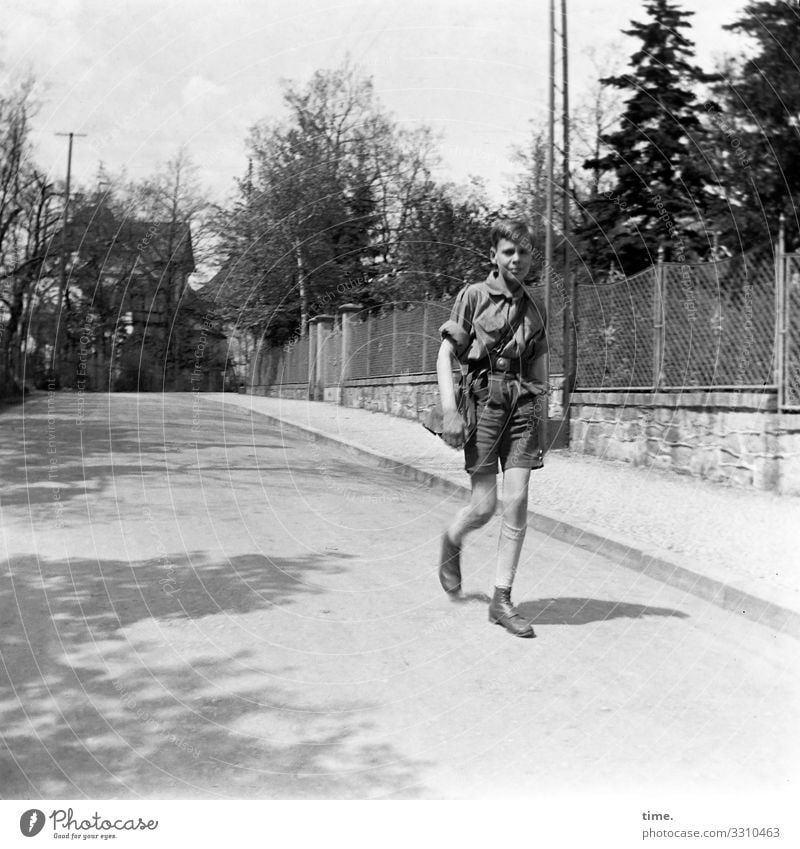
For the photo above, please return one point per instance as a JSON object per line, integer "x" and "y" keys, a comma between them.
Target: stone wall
{"x": 735, "y": 438}
{"x": 729, "y": 437}
{"x": 295, "y": 391}
{"x": 406, "y": 396}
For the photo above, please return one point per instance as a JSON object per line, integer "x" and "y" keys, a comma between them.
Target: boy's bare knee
{"x": 483, "y": 501}
{"x": 484, "y": 511}
{"x": 481, "y": 509}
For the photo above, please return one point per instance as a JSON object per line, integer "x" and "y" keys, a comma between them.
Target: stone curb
{"x": 649, "y": 561}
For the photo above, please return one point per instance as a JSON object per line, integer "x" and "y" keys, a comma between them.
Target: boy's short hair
{"x": 516, "y": 230}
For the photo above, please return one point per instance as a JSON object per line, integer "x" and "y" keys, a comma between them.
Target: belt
{"x": 491, "y": 363}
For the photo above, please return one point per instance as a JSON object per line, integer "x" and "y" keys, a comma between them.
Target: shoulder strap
{"x": 539, "y": 307}
{"x": 511, "y": 329}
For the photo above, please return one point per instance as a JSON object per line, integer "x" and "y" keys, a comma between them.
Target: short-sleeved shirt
{"x": 481, "y": 315}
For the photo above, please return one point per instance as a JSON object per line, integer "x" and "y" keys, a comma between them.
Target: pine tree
{"x": 657, "y": 191}
{"x": 754, "y": 127}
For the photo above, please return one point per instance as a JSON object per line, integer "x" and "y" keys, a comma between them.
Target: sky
{"x": 141, "y": 78}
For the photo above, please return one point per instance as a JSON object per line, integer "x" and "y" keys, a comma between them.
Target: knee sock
{"x": 508, "y": 551}
{"x": 466, "y": 520}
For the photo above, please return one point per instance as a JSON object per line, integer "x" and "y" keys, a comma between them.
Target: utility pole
{"x": 548, "y": 238}
{"x": 570, "y": 333}
{"x": 63, "y": 288}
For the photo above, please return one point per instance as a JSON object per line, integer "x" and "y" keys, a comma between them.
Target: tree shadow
{"x": 49, "y": 453}
{"x": 99, "y": 703}
{"x": 582, "y": 611}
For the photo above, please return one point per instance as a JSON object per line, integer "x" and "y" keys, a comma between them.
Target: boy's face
{"x": 513, "y": 261}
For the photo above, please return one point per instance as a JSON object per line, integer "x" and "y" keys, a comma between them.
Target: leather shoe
{"x": 502, "y": 612}
{"x": 450, "y": 566}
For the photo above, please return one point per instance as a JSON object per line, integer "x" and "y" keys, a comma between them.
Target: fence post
{"x": 319, "y": 328}
{"x": 780, "y": 312}
{"x": 312, "y": 359}
{"x": 658, "y": 320}
{"x": 570, "y": 344}
{"x": 327, "y": 349}
{"x": 252, "y": 380}
{"x": 424, "y": 337}
{"x": 394, "y": 339}
{"x": 368, "y": 366}
{"x": 346, "y": 311}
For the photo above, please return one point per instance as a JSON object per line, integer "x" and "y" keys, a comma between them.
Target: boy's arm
{"x": 444, "y": 375}
{"x": 457, "y": 334}
{"x": 452, "y": 421}
{"x": 538, "y": 370}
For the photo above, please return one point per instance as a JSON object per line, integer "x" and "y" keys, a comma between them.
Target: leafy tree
{"x": 445, "y": 242}
{"x": 327, "y": 199}
{"x": 658, "y": 194}
{"x": 315, "y": 178}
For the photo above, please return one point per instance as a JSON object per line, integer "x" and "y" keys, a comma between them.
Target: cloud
{"x": 198, "y": 88}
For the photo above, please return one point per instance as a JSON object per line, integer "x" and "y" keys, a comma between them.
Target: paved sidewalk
{"x": 737, "y": 548}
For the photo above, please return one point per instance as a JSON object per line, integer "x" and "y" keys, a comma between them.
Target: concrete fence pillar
{"x": 312, "y": 360}
{"x": 345, "y": 314}
{"x": 394, "y": 338}
{"x": 254, "y": 380}
{"x": 319, "y": 329}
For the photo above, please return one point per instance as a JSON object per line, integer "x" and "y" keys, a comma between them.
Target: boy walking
{"x": 497, "y": 332}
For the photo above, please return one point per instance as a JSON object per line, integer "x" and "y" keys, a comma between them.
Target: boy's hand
{"x": 453, "y": 429}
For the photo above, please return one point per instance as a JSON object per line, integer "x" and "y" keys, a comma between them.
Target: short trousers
{"x": 507, "y": 429}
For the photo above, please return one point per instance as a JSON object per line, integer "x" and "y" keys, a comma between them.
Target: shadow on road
{"x": 582, "y": 611}
{"x": 574, "y": 611}
{"x": 117, "y": 685}
{"x": 70, "y": 449}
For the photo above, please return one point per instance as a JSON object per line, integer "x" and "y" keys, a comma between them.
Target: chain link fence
{"x": 404, "y": 340}
{"x": 719, "y": 324}
{"x": 281, "y": 366}
{"x": 615, "y": 331}
{"x": 680, "y": 326}
{"x": 673, "y": 326}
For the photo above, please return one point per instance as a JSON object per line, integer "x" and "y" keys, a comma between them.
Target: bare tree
{"x": 28, "y": 220}
{"x": 528, "y": 191}
{"x": 596, "y": 113}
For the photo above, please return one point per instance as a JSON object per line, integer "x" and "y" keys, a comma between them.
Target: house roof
{"x": 94, "y": 228}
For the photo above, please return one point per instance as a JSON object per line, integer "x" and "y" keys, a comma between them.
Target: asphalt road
{"x": 196, "y": 605}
